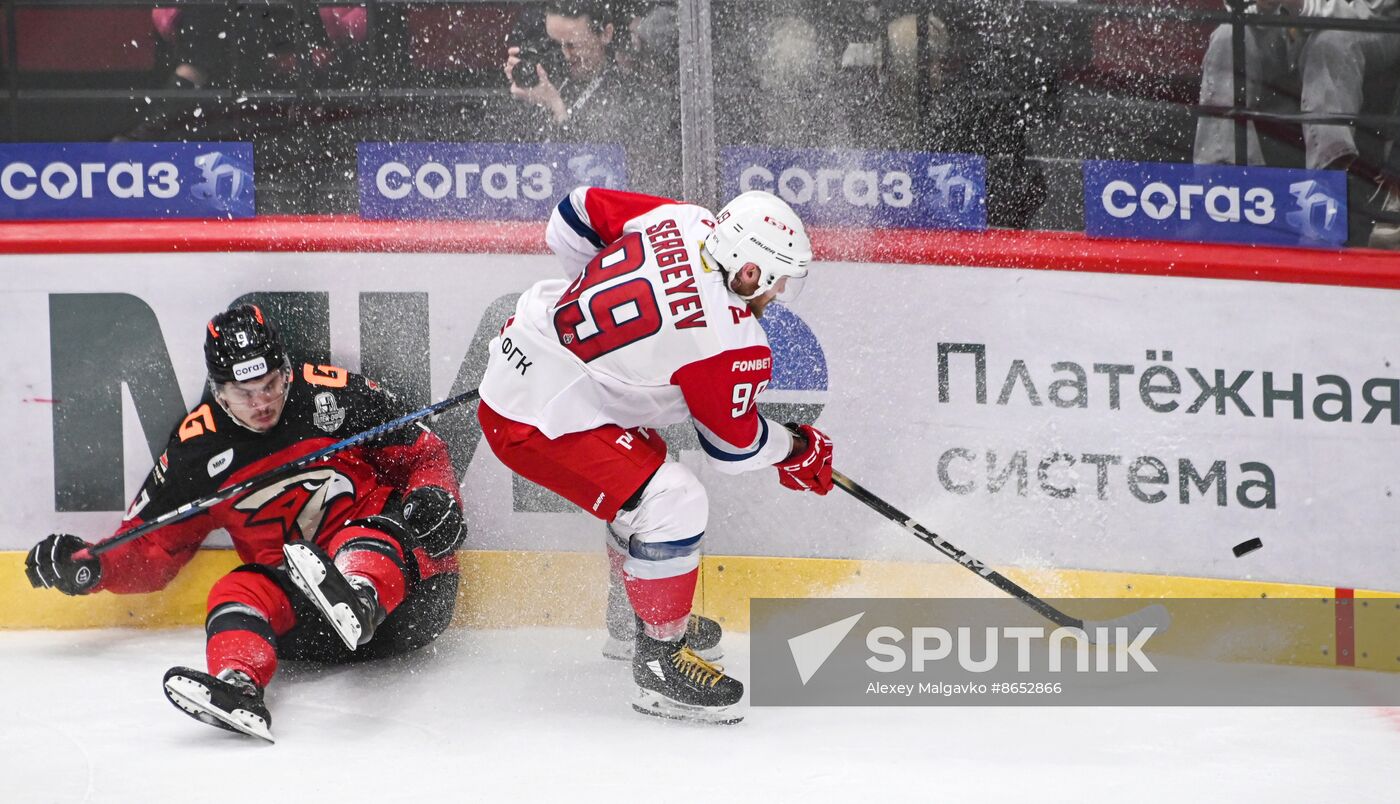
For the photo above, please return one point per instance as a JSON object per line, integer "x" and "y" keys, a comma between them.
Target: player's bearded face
{"x": 257, "y": 404}
{"x": 758, "y": 305}
{"x": 747, "y": 282}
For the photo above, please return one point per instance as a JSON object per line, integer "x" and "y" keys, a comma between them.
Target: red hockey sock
{"x": 383, "y": 572}
{"x": 662, "y": 602}
{"x": 242, "y": 650}
{"x": 369, "y": 554}
{"x": 247, "y": 611}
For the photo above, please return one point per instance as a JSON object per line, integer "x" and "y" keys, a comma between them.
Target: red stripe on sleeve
{"x": 610, "y": 210}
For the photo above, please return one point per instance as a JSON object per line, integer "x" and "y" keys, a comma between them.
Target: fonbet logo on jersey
{"x": 297, "y": 504}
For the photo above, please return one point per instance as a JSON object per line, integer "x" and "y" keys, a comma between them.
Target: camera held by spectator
{"x": 532, "y": 53}
{"x": 571, "y": 60}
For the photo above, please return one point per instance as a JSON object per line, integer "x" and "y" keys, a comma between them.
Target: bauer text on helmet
{"x": 760, "y": 228}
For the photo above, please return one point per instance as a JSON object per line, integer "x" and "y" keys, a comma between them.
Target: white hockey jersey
{"x": 642, "y": 333}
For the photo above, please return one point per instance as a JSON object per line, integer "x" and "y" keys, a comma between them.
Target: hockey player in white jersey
{"x": 656, "y": 323}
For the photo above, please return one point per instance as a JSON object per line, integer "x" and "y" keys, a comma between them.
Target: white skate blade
{"x": 657, "y": 705}
{"x": 622, "y": 650}
{"x": 193, "y": 697}
{"x": 307, "y": 572}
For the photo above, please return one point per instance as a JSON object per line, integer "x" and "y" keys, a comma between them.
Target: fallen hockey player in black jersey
{"x": 349, "y": 558}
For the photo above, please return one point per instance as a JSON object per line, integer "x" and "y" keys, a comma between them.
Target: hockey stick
{"x": 204, "y": 503}
{"x": 1155, "y": 615}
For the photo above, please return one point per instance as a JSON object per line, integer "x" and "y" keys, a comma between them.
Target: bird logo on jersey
{"x": 298, "y": 504}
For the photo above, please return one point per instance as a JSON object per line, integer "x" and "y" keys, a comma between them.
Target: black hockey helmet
{"x": 242, "y": 344}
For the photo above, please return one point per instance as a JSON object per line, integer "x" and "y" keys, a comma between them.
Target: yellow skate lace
{"x": 696, "y": 669}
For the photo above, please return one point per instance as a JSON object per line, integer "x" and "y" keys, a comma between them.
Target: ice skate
{"x": 352, "y": 611}
{"x": 232, "y": 701}
{"x": 673, "y": 682}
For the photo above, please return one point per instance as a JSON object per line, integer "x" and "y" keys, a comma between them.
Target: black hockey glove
{"x": 436, "y": 518}
{"x": 50, "y": 565}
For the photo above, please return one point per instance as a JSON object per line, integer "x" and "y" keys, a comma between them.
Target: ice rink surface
{"x": 536, "y": 715}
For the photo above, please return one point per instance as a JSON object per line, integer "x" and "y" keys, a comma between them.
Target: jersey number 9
{"x": 744, "y": 395}
{"x": 622, "y": 313}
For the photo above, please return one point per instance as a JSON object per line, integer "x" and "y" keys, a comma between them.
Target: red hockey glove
{"x": 810, "y": 469}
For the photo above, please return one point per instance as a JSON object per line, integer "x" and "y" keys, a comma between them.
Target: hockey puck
{"x": 1247, "y": 546}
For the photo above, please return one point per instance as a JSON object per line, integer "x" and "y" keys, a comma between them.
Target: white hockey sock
{"x": 667, "y": 632}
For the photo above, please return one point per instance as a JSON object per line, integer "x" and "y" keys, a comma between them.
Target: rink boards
{"x": 512, "y": 589}
{"x": 1041, "y": 401}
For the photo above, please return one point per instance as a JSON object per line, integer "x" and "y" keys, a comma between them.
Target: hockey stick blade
{"x": 202, "y": 504}
{"x": 1129, "y": 626}
{"x": 1155, "y": 615}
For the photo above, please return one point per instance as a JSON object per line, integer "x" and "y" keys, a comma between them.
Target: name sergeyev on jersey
{"x": 676, "y": 275}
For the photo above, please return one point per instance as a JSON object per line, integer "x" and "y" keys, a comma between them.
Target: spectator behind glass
{"x": 593, "y": 98}
{"x": 211, "y": 43}
{"x": 1317, "y": 72}
{"x": 653, "y": 49}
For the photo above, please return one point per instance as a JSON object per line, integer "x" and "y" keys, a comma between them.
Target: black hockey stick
{"x": 1155, "y": 615}
{"x": 204, "y": 503}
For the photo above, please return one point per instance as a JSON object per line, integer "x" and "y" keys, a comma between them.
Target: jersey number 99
{"x": 615, "y": 316}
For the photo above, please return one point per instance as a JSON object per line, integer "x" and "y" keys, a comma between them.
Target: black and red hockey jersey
{"x": 208, "y": 451}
